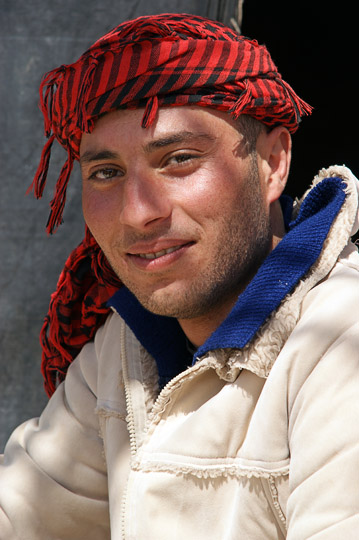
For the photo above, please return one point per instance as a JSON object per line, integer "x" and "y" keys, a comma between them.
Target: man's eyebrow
{"x": 166, "y": 140}
{"x": 97, "y": 155}
{"x": 178, "y": 137}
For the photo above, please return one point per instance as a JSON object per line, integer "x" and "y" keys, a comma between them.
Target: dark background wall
{"x": 315, "y": 47}
{"x": 315, "y": 50}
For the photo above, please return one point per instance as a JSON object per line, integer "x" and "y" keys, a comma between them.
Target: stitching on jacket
{"x": 165, "y": 396}
{"x": 275, "y": 500}
{"x": 129, "y": 406}
{"x": 209, "y": 471}
{"x": 105, "y": 413}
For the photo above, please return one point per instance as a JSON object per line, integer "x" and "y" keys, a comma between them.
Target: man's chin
{"x": 162, "y": 306}
{"x": 166, "y": 303}
{"x": 180, "y": 305}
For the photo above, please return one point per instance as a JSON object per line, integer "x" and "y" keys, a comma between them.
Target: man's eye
{"x": 181, "y": 159}
{"x": 105, "y": 174}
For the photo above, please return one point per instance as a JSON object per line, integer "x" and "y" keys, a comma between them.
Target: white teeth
{"x": 158, "y": 253}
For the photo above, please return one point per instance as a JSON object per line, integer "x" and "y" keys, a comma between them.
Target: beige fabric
{"x": 258, "y": 444}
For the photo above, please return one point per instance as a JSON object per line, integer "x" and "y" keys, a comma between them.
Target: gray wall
{"x": 36, "y": 37}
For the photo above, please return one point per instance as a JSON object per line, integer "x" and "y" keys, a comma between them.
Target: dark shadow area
{"x": 314, "y": 45}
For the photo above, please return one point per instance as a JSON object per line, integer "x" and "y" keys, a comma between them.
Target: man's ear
{"x": 274, "y": 151}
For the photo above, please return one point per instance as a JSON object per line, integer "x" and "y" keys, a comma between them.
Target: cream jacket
{"x": 260, "y": 443}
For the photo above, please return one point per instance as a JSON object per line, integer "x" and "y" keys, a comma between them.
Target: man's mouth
{"x": 158, "y": 254}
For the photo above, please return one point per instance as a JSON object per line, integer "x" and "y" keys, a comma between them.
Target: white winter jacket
{"x": 259, "y": 442}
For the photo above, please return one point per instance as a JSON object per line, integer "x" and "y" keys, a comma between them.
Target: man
{"x": 219, "y": 398}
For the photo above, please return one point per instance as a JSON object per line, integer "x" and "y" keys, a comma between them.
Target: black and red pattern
{"x": 163, "y": 60}
{"x": 77, "y": 308}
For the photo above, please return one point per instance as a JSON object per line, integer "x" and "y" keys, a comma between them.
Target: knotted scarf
{"x": 156, "y": 61}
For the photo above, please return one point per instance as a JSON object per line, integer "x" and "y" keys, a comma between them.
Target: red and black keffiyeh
{"x": 150, "y": 62}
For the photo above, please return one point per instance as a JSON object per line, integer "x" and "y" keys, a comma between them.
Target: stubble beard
{"x": 242, "y": 246}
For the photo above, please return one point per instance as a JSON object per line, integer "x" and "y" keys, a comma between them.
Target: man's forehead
{"x": 173, "y": 125}
{"x": 179, "y": 116}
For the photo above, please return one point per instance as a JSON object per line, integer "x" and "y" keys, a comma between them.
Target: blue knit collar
{"x": 278, "y": 275}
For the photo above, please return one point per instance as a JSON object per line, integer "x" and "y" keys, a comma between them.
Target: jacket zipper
{"x": 130, "y": 420}
{"x": 159, "y": 405}
{"x": 129, "y": 406}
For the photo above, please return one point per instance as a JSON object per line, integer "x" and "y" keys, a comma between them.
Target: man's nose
{"x": 144, "y": 201}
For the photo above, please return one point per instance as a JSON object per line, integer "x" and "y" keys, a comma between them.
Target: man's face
{"x": 179, "y": 209}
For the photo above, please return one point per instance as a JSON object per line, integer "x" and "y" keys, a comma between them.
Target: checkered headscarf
{"x": 163, "y": 60}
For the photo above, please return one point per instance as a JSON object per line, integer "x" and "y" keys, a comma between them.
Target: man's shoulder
{"x": 332, "y": 306}
{"x": 341, "y": 286}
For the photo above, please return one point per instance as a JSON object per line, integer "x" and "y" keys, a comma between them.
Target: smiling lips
{"x": 159, "y": 253}
{"x": 152, "y": 255}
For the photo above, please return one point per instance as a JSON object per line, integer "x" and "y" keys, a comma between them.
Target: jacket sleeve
{"x": 324, "y": 446}
{"x": 53, "y": 481}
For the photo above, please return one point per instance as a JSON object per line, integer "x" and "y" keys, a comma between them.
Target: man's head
{"x": 182, "y": 210}
{"x": 165, "y": 72}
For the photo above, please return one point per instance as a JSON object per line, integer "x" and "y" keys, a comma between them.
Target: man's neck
{"x": 198, "y": 330}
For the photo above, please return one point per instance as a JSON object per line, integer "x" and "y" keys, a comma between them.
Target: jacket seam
{"x": 275, "y": 499}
